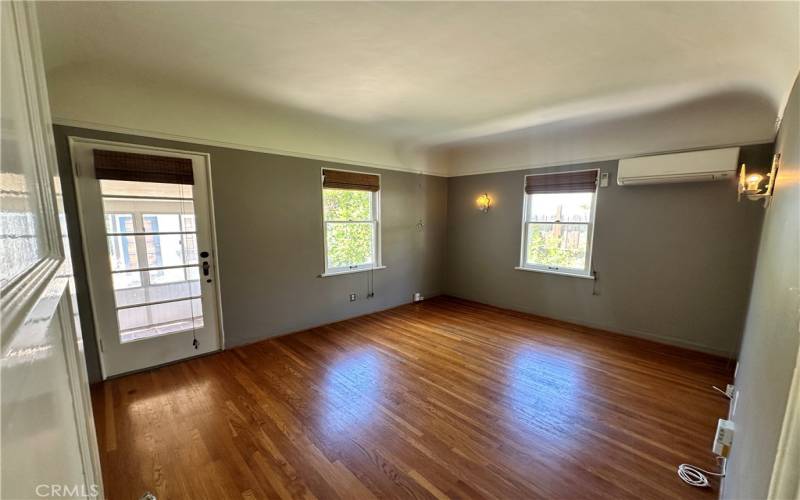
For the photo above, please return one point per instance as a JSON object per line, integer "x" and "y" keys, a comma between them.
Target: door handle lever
{"x": 205, "y": 268}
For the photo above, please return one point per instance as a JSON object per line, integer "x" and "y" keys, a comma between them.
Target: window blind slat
{"x": 562, "y": 182}
{"x": 122, "y": 166}
{"x": 339, "y": 179}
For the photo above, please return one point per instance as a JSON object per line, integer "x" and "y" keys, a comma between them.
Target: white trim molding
{"x": 557, "y": 273}
{"x": 153, "y": 134}
{"x": 352, "y": 271}
{"x": 430, "y": 160}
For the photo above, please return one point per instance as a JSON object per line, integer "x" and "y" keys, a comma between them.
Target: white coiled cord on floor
{"x": 696, "y": 476}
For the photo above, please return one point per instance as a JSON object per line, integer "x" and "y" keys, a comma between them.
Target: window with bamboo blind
{"x": 351, "y": 225}
{"x": 558, "y": 222}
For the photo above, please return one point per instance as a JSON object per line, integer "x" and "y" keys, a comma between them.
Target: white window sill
{"x": 560, "y": 273}
{"x": 351, "y": 271}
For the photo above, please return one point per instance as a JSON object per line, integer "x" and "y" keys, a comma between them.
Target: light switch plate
{"x": 604, "y": 179}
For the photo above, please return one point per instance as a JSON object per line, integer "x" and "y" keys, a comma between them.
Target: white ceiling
{"x": 444, "y": 73}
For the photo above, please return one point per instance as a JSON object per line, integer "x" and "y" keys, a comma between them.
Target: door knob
{"x": 205, "y": 268}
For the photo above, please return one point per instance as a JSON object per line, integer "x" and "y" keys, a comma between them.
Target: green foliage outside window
{"x": 557, "y": 245}
{"x": 347, "y": 205}
{"x": 349, "y": 243}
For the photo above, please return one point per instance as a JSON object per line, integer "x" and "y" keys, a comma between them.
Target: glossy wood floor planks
{"x": 442, "y": 399}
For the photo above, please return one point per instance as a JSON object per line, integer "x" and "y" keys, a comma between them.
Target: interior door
{"x": 48, "y": 441}
{"x": 150, "y": 253}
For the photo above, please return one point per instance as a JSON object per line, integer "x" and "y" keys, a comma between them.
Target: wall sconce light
{"x": 755, "y": 186}
{"x": 484, "y": 202}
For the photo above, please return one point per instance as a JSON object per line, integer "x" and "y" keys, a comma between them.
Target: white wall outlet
{"x": 418, "y": 297}
{"x": 723, "y": 439}
{"x": 353, "y": 297}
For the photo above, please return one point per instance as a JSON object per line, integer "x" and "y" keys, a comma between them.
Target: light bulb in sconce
{"x": 484, "y": 202}
{"x": 753, "y": 186}
{"x": 752, "y": 182}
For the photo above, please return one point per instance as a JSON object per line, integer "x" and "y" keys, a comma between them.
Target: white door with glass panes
{"x": 47, "y": 434}
{"x": 148, "y": 236}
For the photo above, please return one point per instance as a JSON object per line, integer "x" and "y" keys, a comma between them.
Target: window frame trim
{"x": 376, "y": 221}
{"x": 561, "y": 271}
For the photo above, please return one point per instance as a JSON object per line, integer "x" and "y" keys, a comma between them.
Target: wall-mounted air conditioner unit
{"x": 693, "y": 166}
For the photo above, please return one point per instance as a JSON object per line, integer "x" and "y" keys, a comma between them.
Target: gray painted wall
{"x": 674, "y": 262}
{"x": 268, "y": 212}
{"x": 771, "y": 336}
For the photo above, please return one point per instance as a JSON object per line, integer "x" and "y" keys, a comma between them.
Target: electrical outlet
{"x": 353, "y": 297}
{"x": 723, "y": 438}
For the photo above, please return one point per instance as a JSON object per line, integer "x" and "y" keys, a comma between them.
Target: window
{"x": 351, "y": 208}
{"x": 558, "y": 222}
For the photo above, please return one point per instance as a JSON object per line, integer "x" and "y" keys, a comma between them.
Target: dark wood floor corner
{"x": 440, "y": 399}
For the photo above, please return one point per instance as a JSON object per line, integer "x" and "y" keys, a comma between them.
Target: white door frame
{"x": 140, "y": 148}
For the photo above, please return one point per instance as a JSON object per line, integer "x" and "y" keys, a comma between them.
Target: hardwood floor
{"x": 444, "y": 399}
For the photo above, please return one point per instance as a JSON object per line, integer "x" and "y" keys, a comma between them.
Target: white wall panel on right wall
{"x": 771, "y": 339}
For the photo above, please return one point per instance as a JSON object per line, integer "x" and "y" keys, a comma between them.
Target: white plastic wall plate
{"x": 723, "y": 439}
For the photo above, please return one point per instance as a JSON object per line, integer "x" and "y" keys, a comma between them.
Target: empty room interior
{"x": 369, "y": 250}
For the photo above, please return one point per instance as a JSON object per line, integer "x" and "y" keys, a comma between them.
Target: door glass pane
{"x": 557, "y": 245}
{"x": 162, "y": 234}
{"x": 165, "y": 223}
{"x": 22, "y": 242}
{"x": 162, "y": 250}
{"x": 562, "y": 207}
{"x": 122, "y": 252}
{"x": 350, "y": 244}
{"x": 126, "y": 280}
{"x": 164, "y": 276}
{"x": 151, "y": 207}
{"x": 154, "y": 189}
{"x": 159, "y": 319}
{"x": 178, "y": 287}
{"x": 170, "y": 249}
{"x": 119, "y": 223}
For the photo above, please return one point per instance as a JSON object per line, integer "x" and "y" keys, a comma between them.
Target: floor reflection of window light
{"x": 542, "y": 388}
{"x": 351, "y": 387}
